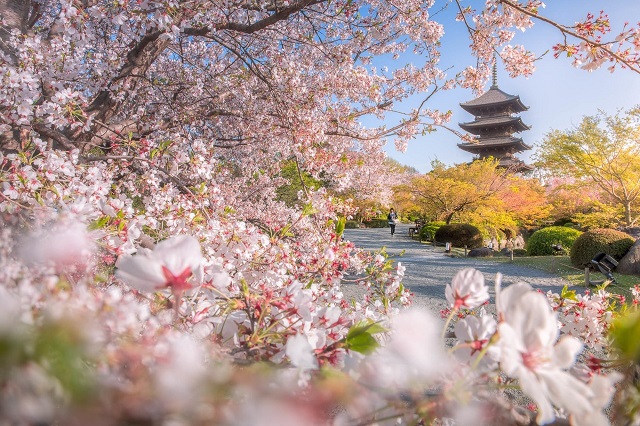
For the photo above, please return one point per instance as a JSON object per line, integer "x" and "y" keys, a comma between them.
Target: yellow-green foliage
{"x": 428, "y": 231}
{"x": 540, "y": 243}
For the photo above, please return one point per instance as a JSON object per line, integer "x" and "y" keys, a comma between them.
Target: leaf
{"x": 568, "y": 294}
{"x": 98, "y": 223}
{"x": 363, "y": 343}
{"x": 308, "y": 209}
{"x": 625, "y": 331}
{"x": 340, "y": 224}
{"x": 369, "y": 326}
{"x": 360, "y": 337}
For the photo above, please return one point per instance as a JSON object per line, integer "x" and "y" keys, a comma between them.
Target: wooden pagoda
{"x": 495, "y": 123}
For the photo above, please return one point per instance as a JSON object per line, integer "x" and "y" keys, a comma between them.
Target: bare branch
{"x": 258, "y": 25}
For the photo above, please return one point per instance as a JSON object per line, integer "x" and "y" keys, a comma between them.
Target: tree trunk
{"x": 627, "y": 213}
{"x": 16, "y": 16}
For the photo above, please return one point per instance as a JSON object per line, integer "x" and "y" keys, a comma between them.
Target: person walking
{"x": 392, "y": 217}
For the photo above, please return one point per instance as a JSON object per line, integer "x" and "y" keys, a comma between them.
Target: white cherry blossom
{"x": 474, "y": 334}
{"x": 532, "y": 353}
{"x": 467, "y": 289}
{"x": 300, "y": 352}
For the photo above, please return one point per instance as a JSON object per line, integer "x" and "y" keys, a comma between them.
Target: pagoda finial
{"x": 495, "y": 73}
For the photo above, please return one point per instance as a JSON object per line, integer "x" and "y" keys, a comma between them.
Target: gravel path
{"x": 429, "y": 269}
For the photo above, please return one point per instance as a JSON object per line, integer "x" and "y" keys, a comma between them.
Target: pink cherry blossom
{"x": 467, "y": 289}
{"x": 532, "y": 353}
{"x": 175, "y": 263}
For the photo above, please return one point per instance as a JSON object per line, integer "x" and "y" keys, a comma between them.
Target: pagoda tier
{"x": 514, "y": 164}
{"x": 495, "y": 125}
{"x": 495, "y": 122}
{"x": 490, "y": 146}
{"x": 494, "y": 101}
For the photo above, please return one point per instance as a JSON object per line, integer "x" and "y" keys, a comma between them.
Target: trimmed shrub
{"x": 480, "y": 252}
{"x": 614, "y": 243}
{"x": 376, "y": 223}
{"x": 459, "y": 235}
{"x": 540, "y": 242}
{"x": 519, "y": 253}
{"x": 516, "y": 252}
{"x": 428, "y": 231}
{"x": 351, "y": 224}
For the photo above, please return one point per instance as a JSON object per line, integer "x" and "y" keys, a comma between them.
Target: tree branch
{"x": 604, "y": 47}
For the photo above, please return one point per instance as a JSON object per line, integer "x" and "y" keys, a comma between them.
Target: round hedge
{"x": 614, "y": 243}
{"x": 540, "y": 242}
{"x": 428, "y": 231}
{"x": 459, "y": 235}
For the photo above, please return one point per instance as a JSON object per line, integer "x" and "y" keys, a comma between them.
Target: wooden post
{"x": 465, "y": 250}
{"x": 587, "y": 281}
{"x": 512, "y": 254}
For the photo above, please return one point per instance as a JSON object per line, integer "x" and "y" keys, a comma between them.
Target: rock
{"x": 633, "y": 231}
{"x": 480, "y": 252}
{"x": 518, "y": 242}
{"x": 630, "y": 263}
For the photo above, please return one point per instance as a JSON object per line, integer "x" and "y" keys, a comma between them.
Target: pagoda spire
{"x": 494, "y": 74}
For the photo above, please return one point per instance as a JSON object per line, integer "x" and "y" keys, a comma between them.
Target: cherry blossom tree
{"x": 144, "y": 252}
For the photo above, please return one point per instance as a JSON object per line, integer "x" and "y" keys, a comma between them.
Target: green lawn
{"x": 561, "y": 266}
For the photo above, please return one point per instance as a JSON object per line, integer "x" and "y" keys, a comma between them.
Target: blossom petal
{"x": 537, "y": 391}
{"x": 179, "y": 253}
{"x": 565, "y": 351}
{"x": 300, "y": 352}
{"x": 141, "y": 272}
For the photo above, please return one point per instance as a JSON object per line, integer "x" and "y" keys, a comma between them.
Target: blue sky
{"x": 558, "y": 95}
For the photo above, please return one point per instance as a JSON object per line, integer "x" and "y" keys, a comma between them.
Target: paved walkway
{"x": 429, "y": 270}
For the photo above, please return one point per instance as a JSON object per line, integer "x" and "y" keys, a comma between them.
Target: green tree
{"x": 602, "y": 151}
{"x": 296, "y": 180}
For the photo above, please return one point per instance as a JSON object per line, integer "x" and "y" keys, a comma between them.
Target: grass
{"x": 560, "y": 266}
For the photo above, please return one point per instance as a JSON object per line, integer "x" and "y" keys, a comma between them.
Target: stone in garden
{"x": 480, "y": 252}
{"x": 495, "y": 244}
{"x": 518, "y": 242}
{"x": 630, "y": 263}
{"x": 505, "y": 251}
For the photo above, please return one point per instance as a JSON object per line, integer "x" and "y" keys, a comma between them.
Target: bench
{"x": 415, "y": 230}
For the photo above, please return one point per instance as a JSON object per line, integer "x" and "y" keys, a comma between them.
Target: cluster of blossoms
{"x": 177, "y": 326}
{"x": 151, "y": 269}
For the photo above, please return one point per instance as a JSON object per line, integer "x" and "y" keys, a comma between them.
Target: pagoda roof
{"x": 494, "y": 97}
{"x": 514, "y": 164}
{"x": 494, "y": 122}
{"x": 485, "y": 144}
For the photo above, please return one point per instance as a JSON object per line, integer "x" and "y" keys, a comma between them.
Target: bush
{"x": 519, "y": 253}
{"x": 614, "y": 243}
{"x": 540, "y": 242}
{"x": 459, "y": 235}
{"x": 376, "y": 223}
{"x": 428, "y": 231}
{"x": 351, "y": 224}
